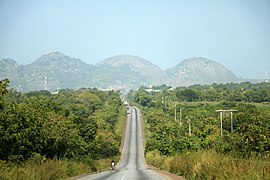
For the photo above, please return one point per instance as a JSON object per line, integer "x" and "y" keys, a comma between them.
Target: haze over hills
{"x": 199, "y": 70}
{"x": 123, "y": 72}
{"x": 129, "y": 71}
{"x": 9, "y": 68}
{"x": 61, "y": 71}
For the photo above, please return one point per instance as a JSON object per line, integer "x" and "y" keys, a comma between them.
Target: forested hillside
{"x": 183, "y": 130}
{"x": 81, "y": 125}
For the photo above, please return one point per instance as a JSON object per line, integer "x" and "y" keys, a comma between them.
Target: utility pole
{"x": 231, "y": 121}
{"x": 221, "y": 115}
{"x": 180, "y": 118}
{"x": 189, "y": 126}
{"x": 175, "y": 111}
{"x": 175, "y": 114}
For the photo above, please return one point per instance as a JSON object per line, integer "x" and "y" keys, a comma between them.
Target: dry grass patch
{"x": 50, "y": 169}
{"x": 211, "y": 165}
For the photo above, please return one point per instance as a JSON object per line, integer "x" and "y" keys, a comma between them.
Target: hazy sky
{"x": 235, "y": 33}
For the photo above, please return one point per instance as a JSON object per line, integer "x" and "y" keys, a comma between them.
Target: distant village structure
{"x": 45, "y": 83}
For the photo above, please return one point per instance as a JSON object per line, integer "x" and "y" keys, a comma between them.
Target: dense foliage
{"x": 183, "y": 130}
{"x": 169, "y": 133}
{"x": 70, "y": 124}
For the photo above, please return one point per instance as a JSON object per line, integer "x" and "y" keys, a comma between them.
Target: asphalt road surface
{"x": 132, "y": 165}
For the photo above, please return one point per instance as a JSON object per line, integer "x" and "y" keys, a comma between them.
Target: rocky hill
{"x": 60, "y": 71}
{"x": 9, "y": 68}
{"x": 57, "y": 71}
{"x": 129, "y": 72}
{"x": 199, "y": 71}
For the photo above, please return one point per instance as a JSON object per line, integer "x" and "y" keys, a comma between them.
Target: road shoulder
{"x": 166, "y": 174}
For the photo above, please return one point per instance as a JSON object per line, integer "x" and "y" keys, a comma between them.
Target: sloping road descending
{"x": 132, "y": 164}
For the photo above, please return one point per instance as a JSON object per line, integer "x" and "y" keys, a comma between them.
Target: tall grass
{"x": 50, "y": 169}
{"x": 210, "y": 165}
{"x": 104, "y": 164}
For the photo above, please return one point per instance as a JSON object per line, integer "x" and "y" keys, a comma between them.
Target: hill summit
{"x": 199, "y": 70}
{"x": 123, "y": 72}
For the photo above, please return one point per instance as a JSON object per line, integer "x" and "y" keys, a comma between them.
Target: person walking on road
{"x": 112, "y": 165}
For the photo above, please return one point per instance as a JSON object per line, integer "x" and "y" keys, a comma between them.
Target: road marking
{"x": 124, "y": 175}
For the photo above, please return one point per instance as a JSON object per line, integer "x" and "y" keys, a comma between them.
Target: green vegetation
{"x": 208, "y": 164}
{"x": 49, "y": 169}
{"x": 61, "y": 135}
{"x": 190, "y": 143}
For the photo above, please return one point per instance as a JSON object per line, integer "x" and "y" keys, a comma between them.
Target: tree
{"x": 143, "y": 98}
{"x": 66, "y": 125}
{"x": 3, "y": 87}
{"x": 188, "y": 95}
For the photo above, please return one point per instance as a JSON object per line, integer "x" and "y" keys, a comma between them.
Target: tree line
{"x": 73, "y": 124}
{"x": 198, "y": 126}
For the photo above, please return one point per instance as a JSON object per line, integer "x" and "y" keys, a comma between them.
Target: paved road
{"x": 132, "y": 164}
